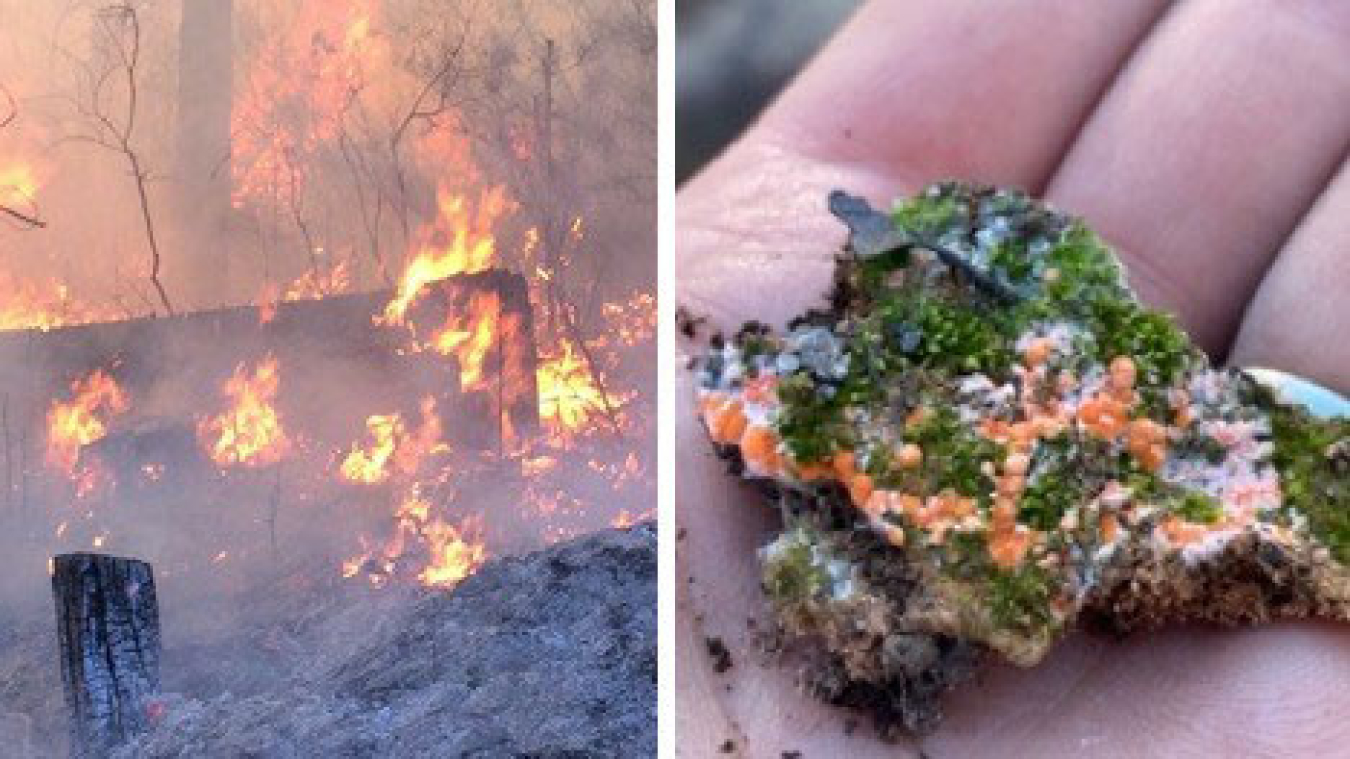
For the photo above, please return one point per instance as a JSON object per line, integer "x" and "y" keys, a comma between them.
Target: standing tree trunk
{"x": 108, "y": 628}
{"x": 200, "y": 261}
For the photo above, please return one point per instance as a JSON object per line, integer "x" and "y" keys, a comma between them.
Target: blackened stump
{"x": 108, "y": 628}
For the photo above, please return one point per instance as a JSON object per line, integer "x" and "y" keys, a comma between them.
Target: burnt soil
{"x": 550, "y": 654}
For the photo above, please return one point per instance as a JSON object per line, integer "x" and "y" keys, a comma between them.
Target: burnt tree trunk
{"x": 108, "y": 628}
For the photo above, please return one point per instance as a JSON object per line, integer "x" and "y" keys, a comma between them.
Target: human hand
{"x": 1207, "y": 142}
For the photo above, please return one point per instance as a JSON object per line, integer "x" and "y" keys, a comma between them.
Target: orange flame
{"x": 456, "y": 553}
{"x": 299, "y": 90}
{"x": 314, "y": 284}
{"x": 28, "y": 305}
{"x": 633, "y": 321}
{"x": 250, "y": 432}
{"x": 453, "y": 551}
{"x": 569, "y": 397}
{"x": 319, "y": 283}
{"x": 393, "y": 446}
{"x": 83, "y": 420}
{"x": 457, "y": 243}
{"x": 470, "y": 338}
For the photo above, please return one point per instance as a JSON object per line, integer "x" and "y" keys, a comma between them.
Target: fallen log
{"x": 107, "y": 623}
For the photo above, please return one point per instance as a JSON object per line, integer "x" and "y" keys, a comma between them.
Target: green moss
{"x": 959, "y": 339}
{"x": 791, "y": 575}
{"x": 967, "y": 557}
{"x": 1011, "y": 259}
{"x": 1309, "y": 478}
{"x": 924, "y": 214}
{"x": 1145, "y": 487}
{"x": 873, "y": 272}
{"x": 1020, "y": 599}
{"x": 755, "y": 345}
{"x": 953, "y": 454}
{"x": 1087, "y": 270}
{"x": 810, "y": 423}
{"x": 1198, "y": 507}
{"x": 947, "y": 337}
{"x": 1159, "y": 348}
{"x": 1057, "y": 487}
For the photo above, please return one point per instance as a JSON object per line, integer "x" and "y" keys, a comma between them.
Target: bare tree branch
{"x": 28, "y": 220}
{"x": 22, "y": 218}
{"x": 11, "y": 107}
{"x": 119, "y": 137}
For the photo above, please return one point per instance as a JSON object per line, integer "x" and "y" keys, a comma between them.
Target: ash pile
{"x": 550, "y": 654}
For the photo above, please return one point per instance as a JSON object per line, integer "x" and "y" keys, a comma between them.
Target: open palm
{"x": 1207, "y": 141}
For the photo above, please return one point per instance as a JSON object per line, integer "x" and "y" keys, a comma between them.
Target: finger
{"x": 1180, "y": 692}
{"x": 905, "y": 94}
{"x": 1273, "y": 690}
{"x": 1210, "y": 146}
{"x": 971, "y": 89}
{"x": 1300, "y": 317}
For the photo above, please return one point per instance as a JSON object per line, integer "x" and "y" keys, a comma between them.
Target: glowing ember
{"x": 393, "y": 447}
{"x": 457, "y": 243}
{"x": 250, "y": 432}
{"x": 632, "y": 322}
{"x": 76, "y": 423}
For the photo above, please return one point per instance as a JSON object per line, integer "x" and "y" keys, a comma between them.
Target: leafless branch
{"x": 26, "y": 219}
{"x": 22, "y": 218}
{"x": 11, "y": 108}
{"x": 120, "y": 136}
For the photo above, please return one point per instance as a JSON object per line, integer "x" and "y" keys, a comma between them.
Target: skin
{"x": 1208, "y": 142}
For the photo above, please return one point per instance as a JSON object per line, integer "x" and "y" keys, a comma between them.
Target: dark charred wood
{"x": 108, "y": 630}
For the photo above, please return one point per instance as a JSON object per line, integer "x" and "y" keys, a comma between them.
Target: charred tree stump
{"x": 108, "y": 627}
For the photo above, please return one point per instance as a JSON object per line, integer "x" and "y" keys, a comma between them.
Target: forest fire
{"x": 452, "y": 552}
{"x": 394, "y": 450}
{"x": 314, "y": 284}
{"x": 469, "y": 338}
{"x": 318, "y": 273}
{"x": 458, "y": 242}
{"x": 298, "y": 91}
{"x": 31, "y": 306}
{"x": 250, "y": 432}
{"x": 569, "y": 397}
{"x": 455, "y": 553}
{"x": 74, "y": 424}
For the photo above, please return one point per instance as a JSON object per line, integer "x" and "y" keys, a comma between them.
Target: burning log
{"x": 108, "y": 628}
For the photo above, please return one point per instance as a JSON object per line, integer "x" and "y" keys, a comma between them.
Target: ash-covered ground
{"x": 550, "y": 654}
